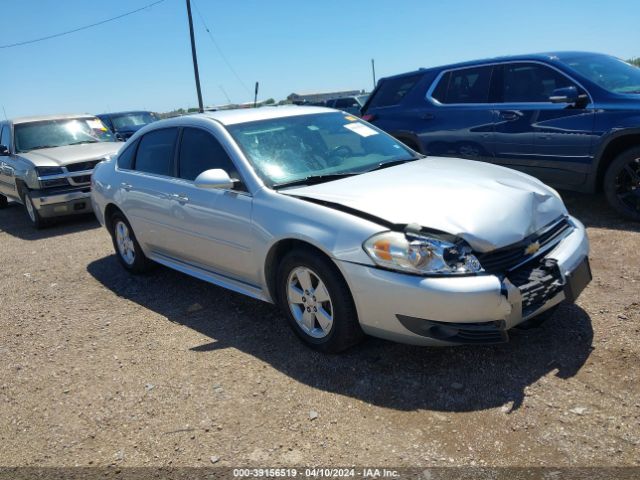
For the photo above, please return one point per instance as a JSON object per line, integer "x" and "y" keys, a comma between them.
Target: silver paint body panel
{"x": 225, "y": 236}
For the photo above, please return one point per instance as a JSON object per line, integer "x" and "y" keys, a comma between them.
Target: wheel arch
{"x": 614, "y": 147}
{"x": 109, "y": 210}
{"x": 276, "y": 253}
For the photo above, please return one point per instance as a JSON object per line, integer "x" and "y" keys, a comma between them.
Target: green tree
{"x": 634, "y": 61}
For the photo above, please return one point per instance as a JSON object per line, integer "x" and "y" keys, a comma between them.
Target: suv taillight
{"x": 369, "y": 117}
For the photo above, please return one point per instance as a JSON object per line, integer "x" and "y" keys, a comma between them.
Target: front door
{"x": 548, "y": 140}
{"x": 7, "y": 170}
{"x": 213, "y": 226}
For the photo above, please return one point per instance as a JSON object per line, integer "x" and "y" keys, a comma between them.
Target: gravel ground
{"x": 101, "y": 368}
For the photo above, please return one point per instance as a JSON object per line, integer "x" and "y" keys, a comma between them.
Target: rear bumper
{"x": 482, "y": 308}
{"x": 60, "y": 203}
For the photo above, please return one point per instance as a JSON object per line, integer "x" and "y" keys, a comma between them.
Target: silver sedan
{"x": 345, "y": 228}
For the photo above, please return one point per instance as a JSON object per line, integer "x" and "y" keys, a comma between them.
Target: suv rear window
{"x": 393, "y": 90}
{"x": 469, "y": 85}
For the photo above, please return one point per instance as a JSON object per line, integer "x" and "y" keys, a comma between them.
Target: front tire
{"x": 622, "y": 184}
{"x": 317, "y": 302}
{"x": 32, "y": 213}
{"x": 127, "y": 248}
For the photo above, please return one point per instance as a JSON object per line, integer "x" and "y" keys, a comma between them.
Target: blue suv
{"x": 572, "y": 119}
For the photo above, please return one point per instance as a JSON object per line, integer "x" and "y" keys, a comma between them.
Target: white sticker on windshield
{"x": 96, "y": 125}
{"x": 361, "y": 129}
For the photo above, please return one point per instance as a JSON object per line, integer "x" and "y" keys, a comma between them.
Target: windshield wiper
{"x": 393, "y": 163}
{"x": 315, "y": 179}
{"x": 40, "y": 147}
{"x": 83, "y": 141}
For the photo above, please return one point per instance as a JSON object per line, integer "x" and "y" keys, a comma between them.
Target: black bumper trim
{"x": 486, "y": 333}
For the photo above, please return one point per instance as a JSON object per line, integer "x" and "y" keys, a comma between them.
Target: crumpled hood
{"x": 71, "y": 153}
{"x": 488, "y": 206}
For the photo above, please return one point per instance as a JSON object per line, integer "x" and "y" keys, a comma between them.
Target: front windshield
{"x": 135, "y": 120}
{"x": 608, "y": 72}
{"x": 58, "y": 133}
{"x": 285, "y": 150}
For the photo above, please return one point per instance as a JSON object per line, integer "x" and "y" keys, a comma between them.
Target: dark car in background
{"x": 572, "y": 119}
{"x": 351, "y": 104}
{"x": 125, "y": 124}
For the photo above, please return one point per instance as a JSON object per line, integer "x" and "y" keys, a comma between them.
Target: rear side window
{"x": 200, "y": 151}
{"x": 155, "y": 152}
{"x": 530, "y": 82}
{"x": 125, "y": 159}
{"x": 468, "y": 85}
{"x": 393, "y": 90}
{"x": 346, "y": 103}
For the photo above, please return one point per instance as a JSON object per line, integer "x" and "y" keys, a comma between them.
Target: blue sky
{"x": 144, "y": 61}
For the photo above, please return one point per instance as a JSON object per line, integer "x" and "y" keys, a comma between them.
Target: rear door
{"x": 548, "y": 140}
{"x": 460, "y": 124}
{"x": 146, "y": 171}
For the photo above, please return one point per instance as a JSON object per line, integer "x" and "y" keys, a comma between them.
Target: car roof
{"x": 128, "y": 112}
{"x": 543, "y": 56}
{"x": 245, "y": 115}
{"x": 42, "y": 118}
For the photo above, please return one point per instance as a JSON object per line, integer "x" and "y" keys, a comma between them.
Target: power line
{"x": 55, "y": 35}
{"x": 213, "y": 40}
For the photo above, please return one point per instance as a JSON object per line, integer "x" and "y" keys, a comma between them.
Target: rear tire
{"x": 3, "y": 202}
{"x": 317, "y": 302}
{"x": 128, "y": 250}
{"x": 622, "y": 184}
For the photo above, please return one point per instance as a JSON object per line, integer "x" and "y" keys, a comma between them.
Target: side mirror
{"x": 565, "y": 95}
{"x": 119, "y": 137}
{"x": 215, "y": 178}
{"x": 4, "y": 150}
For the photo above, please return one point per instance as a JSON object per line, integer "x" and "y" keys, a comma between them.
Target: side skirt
{"x": 210, "y": 276}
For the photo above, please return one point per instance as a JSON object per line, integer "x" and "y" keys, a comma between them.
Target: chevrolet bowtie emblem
{"x": 532, "y": 248}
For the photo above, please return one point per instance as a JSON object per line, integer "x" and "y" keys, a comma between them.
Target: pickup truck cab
{"x": 46, "y": 163}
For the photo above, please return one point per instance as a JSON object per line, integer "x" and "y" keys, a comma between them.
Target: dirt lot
{"x": 100, "y": 368}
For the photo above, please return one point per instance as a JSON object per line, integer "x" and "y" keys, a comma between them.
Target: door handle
{"x": 126, "y": 186}
{"x": 180, "y": 197}
{"x": 427, "y": 116}
{"x": 510, "y": 115}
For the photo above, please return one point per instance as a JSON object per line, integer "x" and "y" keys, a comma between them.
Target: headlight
{"x": 421, "y": 254}
{"x": 45, "y": 171}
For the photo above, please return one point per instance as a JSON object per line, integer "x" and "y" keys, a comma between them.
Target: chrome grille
{"x": 82, "y": 166}
{"x": 505, "y": 259}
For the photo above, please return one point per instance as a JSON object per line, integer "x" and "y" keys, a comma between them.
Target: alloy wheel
{"x": 627, "y": 186}
{"x": 30, "y": 209}
{"x": 310, "y": 302}
{"x": 125, "y": 244}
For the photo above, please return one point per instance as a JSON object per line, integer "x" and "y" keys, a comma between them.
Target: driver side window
{"x": 531, "y": 82}
{"x": 200, "y": 151}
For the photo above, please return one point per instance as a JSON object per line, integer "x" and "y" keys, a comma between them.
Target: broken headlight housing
{"x": 421, "y": 254}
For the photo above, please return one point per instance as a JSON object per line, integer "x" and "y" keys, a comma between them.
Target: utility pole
{"x": 195, "y": 58}
{"x": 255, "y": 96}
{"x": 373, "y": 70}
